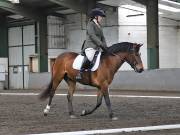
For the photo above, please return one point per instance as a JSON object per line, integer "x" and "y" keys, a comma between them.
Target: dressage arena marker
{"x": 120, "y": 130}
{"x": 84, "y": 95}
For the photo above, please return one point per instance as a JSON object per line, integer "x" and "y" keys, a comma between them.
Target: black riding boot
{"x": 79, "y": 75}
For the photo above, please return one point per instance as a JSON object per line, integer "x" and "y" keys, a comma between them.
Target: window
{"x": 56, "y": 33}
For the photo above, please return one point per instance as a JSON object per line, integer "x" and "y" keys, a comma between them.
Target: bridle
{"x": 134, "y": 63}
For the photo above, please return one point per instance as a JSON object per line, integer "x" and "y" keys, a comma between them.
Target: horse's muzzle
{"x": 139, "y": 69}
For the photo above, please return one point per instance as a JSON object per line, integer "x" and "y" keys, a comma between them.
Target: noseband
{"x": 133, "y": 65}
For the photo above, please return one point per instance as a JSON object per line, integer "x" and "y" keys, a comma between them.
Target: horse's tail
{"x": 46, "y": 93}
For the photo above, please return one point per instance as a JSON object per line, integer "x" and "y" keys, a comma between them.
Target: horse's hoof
{"x": 45, "y": 114}
{"x": 83, "y": 113}
{"x": 114, "y": 118}
{"x": 73, "y": 116}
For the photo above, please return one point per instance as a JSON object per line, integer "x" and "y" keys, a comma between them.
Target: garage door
{"x": 21, "y": 42}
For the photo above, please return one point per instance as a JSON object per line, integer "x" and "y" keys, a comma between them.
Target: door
{"x": 21, "y": 42}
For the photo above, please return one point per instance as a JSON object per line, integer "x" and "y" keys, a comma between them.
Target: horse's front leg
{"x": 98, "y": 104}
{"x": 108, "y": 104}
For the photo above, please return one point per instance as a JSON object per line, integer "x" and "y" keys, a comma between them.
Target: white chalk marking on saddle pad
{"x": 119, "y": 130}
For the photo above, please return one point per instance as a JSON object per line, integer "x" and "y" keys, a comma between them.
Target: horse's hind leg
{"x": 72, "y": 86}
{"x": 99, "y": 102}
{"x": 47, "y": 109}
{"x": 54, "y": 84}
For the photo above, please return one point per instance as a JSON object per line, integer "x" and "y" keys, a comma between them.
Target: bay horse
{"x": 110, "y": 62}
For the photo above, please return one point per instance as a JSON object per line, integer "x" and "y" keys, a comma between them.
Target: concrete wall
{"x": 41, "y": 81}
{"x": 76, "y": 31}
{"x": 4, "y": 64}
{"x": 161, "y": 79}
{"x": 158, "y": 80}
{"x": 117, "y": 27}
{"x": 133, "y": 29}
{"x": 75, "y": 28}
{"x": 111, "y": 26}
{"x": 75, "y": 34}
{"x": 3, "y": 71}
{"x": 178, "y": 44}
{"x": 168, "y": 43}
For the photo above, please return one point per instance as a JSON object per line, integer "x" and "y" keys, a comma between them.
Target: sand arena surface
{"x": 24, "y": 114}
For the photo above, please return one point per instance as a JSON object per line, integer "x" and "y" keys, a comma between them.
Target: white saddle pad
{"x": 79, "y": 60}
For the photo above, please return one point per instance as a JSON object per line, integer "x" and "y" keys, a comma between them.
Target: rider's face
{"x": 99, "y": 19}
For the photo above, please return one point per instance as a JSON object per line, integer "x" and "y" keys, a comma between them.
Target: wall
{"x": 160, "y": 79}
{"x": 75, "y": 28}
{"x": 4, "y": 63}
{"x": 133, "y": 29}
{"x": 21, "y": 43}
{"x": 153, "y": 80}
{"x": 119, "y": 28}
{"x": 3, "y": 68}
{"x": 41, "y": 81}
{"x": 3, "y": 71}
{"x": 110, "y": 28}
{"x": 75, "y": 31}
{"x": 178, "y": 44}
{"x": 168, "y": 43}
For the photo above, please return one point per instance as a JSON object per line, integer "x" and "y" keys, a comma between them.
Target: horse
{"x": 110, "y": 62}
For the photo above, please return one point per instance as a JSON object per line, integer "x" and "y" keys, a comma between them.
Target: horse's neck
{"x": 117, "y": 61}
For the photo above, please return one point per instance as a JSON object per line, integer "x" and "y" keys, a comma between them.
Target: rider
{"x": 95, "y": 39}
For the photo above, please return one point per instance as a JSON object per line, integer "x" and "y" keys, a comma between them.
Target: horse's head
{"x": 134, "y": 58}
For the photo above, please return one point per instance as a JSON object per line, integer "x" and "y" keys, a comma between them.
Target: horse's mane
{"x": 120, "y": 47}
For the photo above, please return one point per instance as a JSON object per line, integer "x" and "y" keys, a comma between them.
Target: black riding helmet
{"x": 97, "y": 12}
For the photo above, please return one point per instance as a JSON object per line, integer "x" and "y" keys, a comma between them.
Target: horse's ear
{"x": 139, "y": 45}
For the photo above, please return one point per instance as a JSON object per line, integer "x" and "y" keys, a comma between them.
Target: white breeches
{"x": 90, "y": 53}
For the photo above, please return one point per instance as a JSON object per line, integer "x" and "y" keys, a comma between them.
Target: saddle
{"x": 90, "y": 66}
